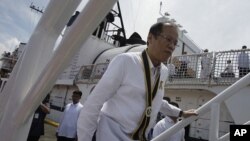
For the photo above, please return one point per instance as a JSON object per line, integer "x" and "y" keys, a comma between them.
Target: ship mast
{"x": 33, "y": 7}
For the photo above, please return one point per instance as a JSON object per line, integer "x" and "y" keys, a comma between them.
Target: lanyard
{"x": 139, "y": 133}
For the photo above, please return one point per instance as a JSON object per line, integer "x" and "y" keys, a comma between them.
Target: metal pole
{"x": 214, "y": 122}
{"x": 37, "y": 54}
{"x": 94, "y": 11}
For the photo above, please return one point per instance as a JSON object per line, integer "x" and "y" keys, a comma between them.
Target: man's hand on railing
{"x": 188, "y": 113}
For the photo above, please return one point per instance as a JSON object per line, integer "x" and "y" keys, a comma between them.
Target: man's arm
{"x": 45, "y": 107}
{"x": 170, "y": 110}
{"x": 188, "y": 113}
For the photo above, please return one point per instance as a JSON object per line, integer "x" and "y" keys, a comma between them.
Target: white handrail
{"x": 226, "y": 136}
{"x": 94, "y": 11}
{"x": 228, "y": 92}
{"x": 37, "y": 53}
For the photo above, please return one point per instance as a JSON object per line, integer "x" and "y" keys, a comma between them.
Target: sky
{"x": 216, "y": 25}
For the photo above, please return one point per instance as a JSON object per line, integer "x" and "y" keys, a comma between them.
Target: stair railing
{"x": 214, "y": 106}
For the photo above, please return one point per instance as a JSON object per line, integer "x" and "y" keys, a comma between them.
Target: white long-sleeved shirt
{"x": 165, "y": 124}
{"x": 68, "y": 123}
{"x": 121, "y": 95}
{"x": 229, "y": 68}
{"x": 171, "y": 69}
{"x": 205, "y": 66}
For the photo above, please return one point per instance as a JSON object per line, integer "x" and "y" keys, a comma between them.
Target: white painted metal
{"x": 226, "y": 136}
{"x": 110, "y": 54}
{"x": 230, "y": 91}
{"x": 29, "y": 67}
{"x": 87, "y": 54}
{"x": 95, "y": 10}
{"x": 214, "y": 122}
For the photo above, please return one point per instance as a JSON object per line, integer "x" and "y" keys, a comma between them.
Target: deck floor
{"x": 50, "y": 133}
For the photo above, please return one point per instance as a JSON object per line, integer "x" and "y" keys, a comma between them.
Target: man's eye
{"x": 169, "y": 40}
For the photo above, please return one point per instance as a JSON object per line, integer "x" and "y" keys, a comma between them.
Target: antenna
{"x": 160, "y": 9}
{"x": 33, "y": 7}
{"x": 165, "y": 14}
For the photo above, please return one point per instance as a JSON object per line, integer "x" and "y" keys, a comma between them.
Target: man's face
{"x": 76, "y": 98}
{"x": 164, "y": 44}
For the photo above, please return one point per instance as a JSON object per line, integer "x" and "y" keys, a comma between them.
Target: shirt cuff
{"x": 181, "y": 113}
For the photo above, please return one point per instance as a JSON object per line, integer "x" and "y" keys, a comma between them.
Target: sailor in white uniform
{"x": 205, "y": 64}
{"x": 125, "y": 102}
{"x": 167, "y": 123}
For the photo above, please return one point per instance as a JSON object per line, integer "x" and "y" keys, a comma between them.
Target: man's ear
{"x": 150, "y": 37}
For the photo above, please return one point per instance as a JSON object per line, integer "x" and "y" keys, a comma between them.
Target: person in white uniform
{"x": 243, "y": 62}
{"x": 165, "y": 124}
{"x": 183, "y": 70}
{"x": 124, "y": 104}
{"x": 228, "y": 71}
{"x": 67, "y": 130}
{"x": 205, "y": 64}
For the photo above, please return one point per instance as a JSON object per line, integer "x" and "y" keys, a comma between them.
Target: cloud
{"x": 213, "y": 24}
{"x": 210, "y": 24}
{"x": 9, "y": 45}
{"x": 16, "y": 24}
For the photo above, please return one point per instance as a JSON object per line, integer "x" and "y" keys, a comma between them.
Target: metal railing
{"x": 202, "y": 69}
{"x": 89, "y": 74}
{"x": 215, "y": 68}
{"x": 214, "y": 106}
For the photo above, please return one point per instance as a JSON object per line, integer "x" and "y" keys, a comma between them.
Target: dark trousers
{"x": 243, "y": 71}
{"x": 33, "y": 138}
{"x": 59, "y": 138}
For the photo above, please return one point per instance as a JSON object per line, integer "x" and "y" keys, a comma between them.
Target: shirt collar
{"x": 76, "y": 103}
{"x": 151, "y": 66}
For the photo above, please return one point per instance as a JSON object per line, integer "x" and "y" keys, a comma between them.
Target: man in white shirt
{"x": 228, "y": 71}
{"x": 122, "y": 107}
{"x": 67, "y": 130}
{"x": 184, "y": 60}
{"x": 171, "y": 69}
{"x": 205, "y": 65}
{"x": 165, "y": 124}
{"x": 243, "y": 62}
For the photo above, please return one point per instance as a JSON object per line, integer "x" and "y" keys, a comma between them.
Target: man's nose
{"x": 171, "y": 45}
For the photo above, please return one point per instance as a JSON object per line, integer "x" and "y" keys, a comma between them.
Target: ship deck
{"x": 49, "y": 134}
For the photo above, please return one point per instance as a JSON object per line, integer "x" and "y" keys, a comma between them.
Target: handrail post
{"x": 214, "y": 122}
